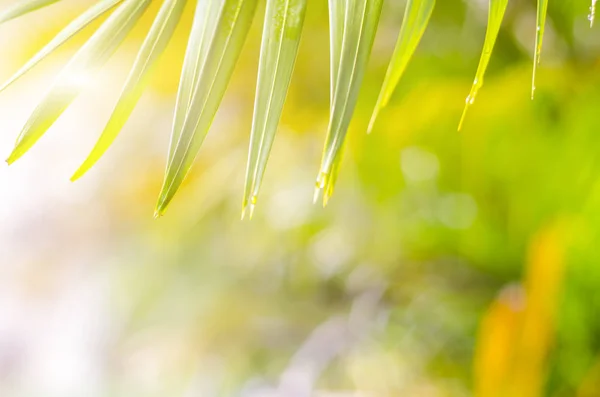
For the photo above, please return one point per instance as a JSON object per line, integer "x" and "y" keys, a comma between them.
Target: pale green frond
{"x": 235, "y": 18}
{"x": 72, "y": 29}
{"x": 331, "y": 181}
{"x": 154, "y": 45}
{"x": 540, "y": 25}
{"x": 203, "y": 29}
{"x": 24, "y": 7}
{"x": 280, "y": 41}
{"x": 495, "y": 16}
{"x": 416, "y": 19}
{"x": 360, "y": 25}
{"x": 95, "y": 52}
{"x": 337, "y": 16}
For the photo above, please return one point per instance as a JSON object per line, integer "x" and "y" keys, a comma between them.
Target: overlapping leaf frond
{"x": 215, "y": 42}
{"x": 281, "y": 38}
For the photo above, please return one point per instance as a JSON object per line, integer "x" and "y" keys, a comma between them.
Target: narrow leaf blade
{"x": 235, "y": 18}
{"x": 360, "y": 25}
{"x": 24, "y": 7}
{"x": 495, "y": 16}
{"x": 540, "y": 25}
{"x": 203, "y": 28}
{"x": 416, "y": 19}
{"x": 281, "y": 38}
{"x": 69, "y": 31}
{"x": 69, "y": 83}
{"x": 154, "y": 45}
{"x": 337, "y": 16}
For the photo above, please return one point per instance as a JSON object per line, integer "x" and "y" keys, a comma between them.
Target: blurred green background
{"x": 447, "y": 263}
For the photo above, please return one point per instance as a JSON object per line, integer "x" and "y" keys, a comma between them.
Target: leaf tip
{"x": 373, "y": 120}
{"x": 14, "y": 156}
{"x": 317, "y": 194}
{"x": 78, "y": 174}
{"x": 161, "y": 206}
{"x": 320, "y": 186}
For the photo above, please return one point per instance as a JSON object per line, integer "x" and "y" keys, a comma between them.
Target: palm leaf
{"x": 235, "y": 18}
{"x": 360, "y": 25}
{"x": 154, "y": 45}
{"x": 216, "y": 39}
{"x": 416, "y": 19}
{"x": 542, "y": 10}
{"x": 71, "y": 30}
{"x": 69, "y": 83}
{"x": 281, "y": 38}
{"x": 24, "y": 7}
{"x": 495, "y": 16}
{"x": 337, "y": 15}
{"x": 205, "y": 19}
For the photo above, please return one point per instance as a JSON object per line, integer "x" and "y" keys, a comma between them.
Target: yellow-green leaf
{"x": 24, "y": 7}
{"x": 337, "y": 16}
{"x": 281, "y": 38}
{"x": 360, "y": 25}
{"x": 69, "y": 31}
{"x": 73, "y": 77}
{"x": 235, "y": 18}
{"x": 203, "y": 28}
{"x": 416, "y": 19}
{"x": 154, "y": 45}
{"x": 495, "y": 16}
{"x": 540, "y": 25}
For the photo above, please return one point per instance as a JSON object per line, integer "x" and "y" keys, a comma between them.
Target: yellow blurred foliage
{"x": 517, "y": 332}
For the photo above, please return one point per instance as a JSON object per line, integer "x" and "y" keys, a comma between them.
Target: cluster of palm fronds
{"x": 215, "y": 43}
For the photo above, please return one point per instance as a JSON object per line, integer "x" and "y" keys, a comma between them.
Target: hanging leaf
{"x": 360, "y": 25}
{"x": 592, "y": 14}
{"x": 24, "y": 7}
{"x": 495, "y": 16}
{"x": 235, "y": 18}
{"x": 203, "y": 28}
{"x": 281, "y": 38}
{"x": 72, "y": 29}
{"x": 416, "y": 19}
{"x": 74, "y": 76}
{"x": 542, "y": 10}
{"x": 337, "y": 17}
{"x": 154, "y": 45}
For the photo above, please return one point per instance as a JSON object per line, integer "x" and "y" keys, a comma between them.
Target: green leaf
{"x": 281, "y": 38}
{"x": 540, "y": 25}
{"x": 72, "y": 29}
{"x": 95, "y": 52}
{"x": 235, "y": 18}
{"x": 337, "y": 16}
{"x": 154, "y": 45}
{"x": 592, "y": 14}
{"x": 24, "y": 7}
{"x": 203, "y": 29}
{"x": 416, "y": 19}
{"x": 335, "y": 171}
{"x": 495, "y": 16}
{"x": 359, "y": 27}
